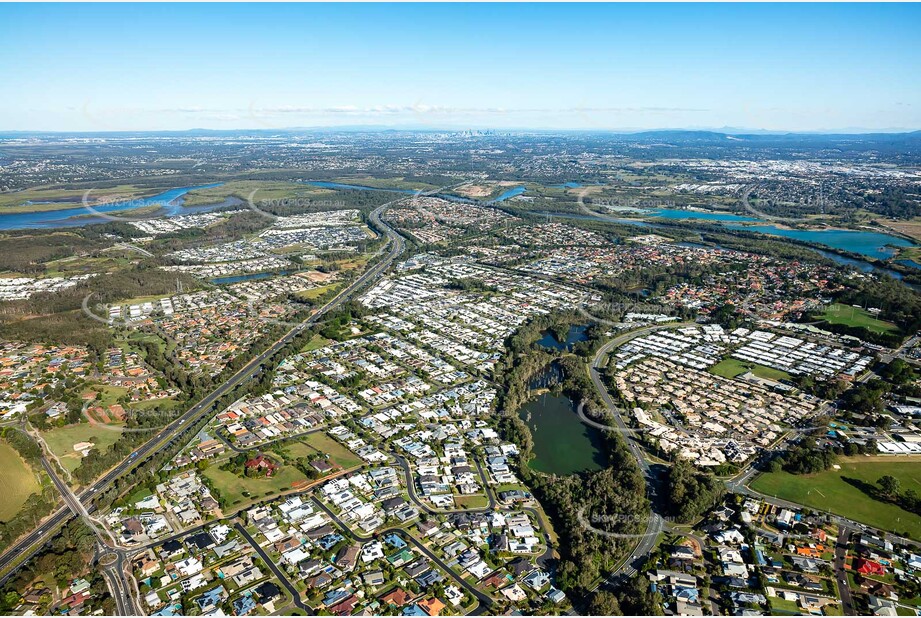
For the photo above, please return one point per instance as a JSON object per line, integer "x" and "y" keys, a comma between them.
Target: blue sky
{"x": 615, "y": 66}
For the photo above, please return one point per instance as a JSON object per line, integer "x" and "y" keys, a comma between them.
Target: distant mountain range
{"x": 728, "y": 138}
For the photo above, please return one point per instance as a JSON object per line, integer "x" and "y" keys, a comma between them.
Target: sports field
{"x": 848, "y": 315}
{"x": 17, "y": 482}
{"x": 830, "y": 491}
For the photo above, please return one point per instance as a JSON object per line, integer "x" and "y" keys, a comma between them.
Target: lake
{"x": 508, "y": 194}
{"x": 865, "y": 242}
{"x": 170, "y": 201}
{"x": 677, "y": 213}
{"x": 575, "y": 335}
{"x": 562, "y": 443}
{"x": 248, "y": 277}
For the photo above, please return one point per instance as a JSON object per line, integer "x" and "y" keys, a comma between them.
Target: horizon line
{"x": 377, "y": 128}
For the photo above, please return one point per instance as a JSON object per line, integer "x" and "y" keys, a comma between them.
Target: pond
{"x": 575, "y": 335}
{"x": 247, "y": 277}
{"x": 562, "y": 443}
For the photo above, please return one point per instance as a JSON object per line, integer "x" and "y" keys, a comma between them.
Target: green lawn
{"x": 829, "y": 491}
{"x": 233, "y": 488}
{"x": 316, "y": 342}
{"x": 848, "y": 315}
{"x": 731, "y": 367}
{"x": 474, "y": 501}
{"x": 319, "y": 444}
{"x": 315, "y": 293}
{"x": 783, "y": 605}
{"x": 139, "y": 495}
{"x": 267, "y": 190}
{"x": 108, "y": 394}
{"x": 17, "y": 482}
{"x": 61, "y": 440}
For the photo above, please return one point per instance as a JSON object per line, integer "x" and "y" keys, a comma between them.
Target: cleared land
{"x": 855, "y": 316}
{"x": 731, "y": 367}
{"x": 17, "y": 482}
{"x": 909, "y": 228}
{"x": 62, "y": 439}
{"x": 238, "y": 489}
{"x": 830, "y": 491}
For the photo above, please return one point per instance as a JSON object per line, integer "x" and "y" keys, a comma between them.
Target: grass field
{"x": 316, "y": 293}
{"x": 829, "y": 491}
{"x": 316, "y": 342}
{"x": 783, "y": 606}
{"x": 234, "y": 488}
{"x": 847, "y": 315}
{"x": 386, "y": 183}
{"x": 265, "y": 190}
{"x": 62, "y": 439}
{"x": 17, "y": 482}
{"x": 475, "y": 501}
{"x": 731, "y": 367}
{"x": 109, "y": 394}
{"x": 318, "y": 443}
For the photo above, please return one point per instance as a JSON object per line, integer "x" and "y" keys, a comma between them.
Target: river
{"x": 169, "y": 201}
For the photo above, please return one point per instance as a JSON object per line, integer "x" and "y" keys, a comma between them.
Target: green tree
{"x": 889, "y": 485}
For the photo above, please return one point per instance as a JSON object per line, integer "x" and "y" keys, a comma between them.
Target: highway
{"x": 30, "y": 544}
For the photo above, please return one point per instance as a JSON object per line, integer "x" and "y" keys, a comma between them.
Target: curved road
{"x": 29, "y": 545}
{"x": 484, "y": 599}
{"x": 655, "y": 524}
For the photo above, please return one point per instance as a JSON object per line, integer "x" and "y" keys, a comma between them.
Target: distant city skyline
{"x": 798, "y": 67}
